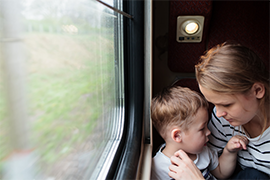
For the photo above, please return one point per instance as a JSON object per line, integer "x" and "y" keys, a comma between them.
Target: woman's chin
{"x": 233, "y": 123}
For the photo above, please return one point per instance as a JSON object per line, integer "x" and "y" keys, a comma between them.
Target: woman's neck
{"x": 252, "y": 130}
{"x": 255, "y": 127}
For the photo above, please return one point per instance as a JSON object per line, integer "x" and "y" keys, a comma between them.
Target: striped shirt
{"x": 256, "y": 156}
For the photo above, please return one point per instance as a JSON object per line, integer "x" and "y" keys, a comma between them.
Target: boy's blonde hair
{"x": 174, "y": 106}
{"x": 233, "y": 69}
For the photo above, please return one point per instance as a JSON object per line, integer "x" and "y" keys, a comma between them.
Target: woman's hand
{"x": 183, "y": 167}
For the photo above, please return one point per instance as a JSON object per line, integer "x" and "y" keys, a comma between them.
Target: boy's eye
{"x": 202, "y": 129}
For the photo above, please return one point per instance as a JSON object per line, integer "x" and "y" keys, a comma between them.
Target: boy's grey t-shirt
{"x": 206, "y": 161}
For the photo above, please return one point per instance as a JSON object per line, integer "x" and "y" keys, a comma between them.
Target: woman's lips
{"x": 229, "y": 120}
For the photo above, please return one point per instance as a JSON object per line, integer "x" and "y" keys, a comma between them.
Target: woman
{"x": 235, "y": 80}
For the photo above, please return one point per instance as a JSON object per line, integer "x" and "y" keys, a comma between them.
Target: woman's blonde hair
{"x": 233, "y": 69}
{"x": 174, "y": 106}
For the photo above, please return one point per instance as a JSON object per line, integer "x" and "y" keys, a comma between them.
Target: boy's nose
{"x": 208, "y": 132}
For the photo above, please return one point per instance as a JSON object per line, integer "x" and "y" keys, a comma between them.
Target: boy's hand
{"x": 237, "y": 143}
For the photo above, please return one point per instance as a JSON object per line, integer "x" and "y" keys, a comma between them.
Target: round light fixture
{"x": 190, "y": 27}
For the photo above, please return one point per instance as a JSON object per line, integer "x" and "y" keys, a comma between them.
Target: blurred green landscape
{"x": 69, "y": 54}
{"x": 70, "y": 80}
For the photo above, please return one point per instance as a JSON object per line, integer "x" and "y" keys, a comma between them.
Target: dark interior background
{"x": 245, "y": 22}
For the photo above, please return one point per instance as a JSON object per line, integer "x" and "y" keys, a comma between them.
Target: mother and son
{"x": 236, "y": 81}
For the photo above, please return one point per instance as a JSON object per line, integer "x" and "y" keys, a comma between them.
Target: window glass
{"x": 4, "y": 141}
{"x": 73, "y": 54}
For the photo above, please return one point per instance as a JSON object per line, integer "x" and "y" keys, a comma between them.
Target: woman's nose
{"x": 220, "y": 112}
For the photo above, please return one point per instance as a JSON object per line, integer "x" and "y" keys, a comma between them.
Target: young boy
{"x": 180, "y": 116}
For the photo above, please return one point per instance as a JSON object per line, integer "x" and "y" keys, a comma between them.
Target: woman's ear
{"x": 176, "y": 135}
{"x": 258, "y": 89}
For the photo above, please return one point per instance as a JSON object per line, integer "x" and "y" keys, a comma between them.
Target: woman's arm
{"x": 183, "y": 167}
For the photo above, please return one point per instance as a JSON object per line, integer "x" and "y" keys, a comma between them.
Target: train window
{"x": 66, "y": 106}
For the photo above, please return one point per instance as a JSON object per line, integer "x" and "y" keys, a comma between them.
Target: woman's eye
{"x": 226, "y": 105}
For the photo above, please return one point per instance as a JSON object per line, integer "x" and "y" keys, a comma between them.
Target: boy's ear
{"x": 259, "y": 90}
{"x": 176, "y": 135}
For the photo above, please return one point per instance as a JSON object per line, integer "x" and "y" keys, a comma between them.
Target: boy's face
{"x": 196, "y": 137}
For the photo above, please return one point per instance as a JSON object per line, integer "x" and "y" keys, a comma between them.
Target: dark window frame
{"x": 126, "y": 160}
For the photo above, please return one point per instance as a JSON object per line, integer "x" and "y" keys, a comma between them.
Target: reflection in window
{"x": 74, "y": 85}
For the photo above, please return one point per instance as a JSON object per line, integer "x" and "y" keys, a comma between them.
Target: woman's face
{"x": 237, "y": 109}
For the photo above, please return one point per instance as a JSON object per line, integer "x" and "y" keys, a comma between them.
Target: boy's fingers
{"x": 246, "y": 140}
{"x": 243, "y": 144}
